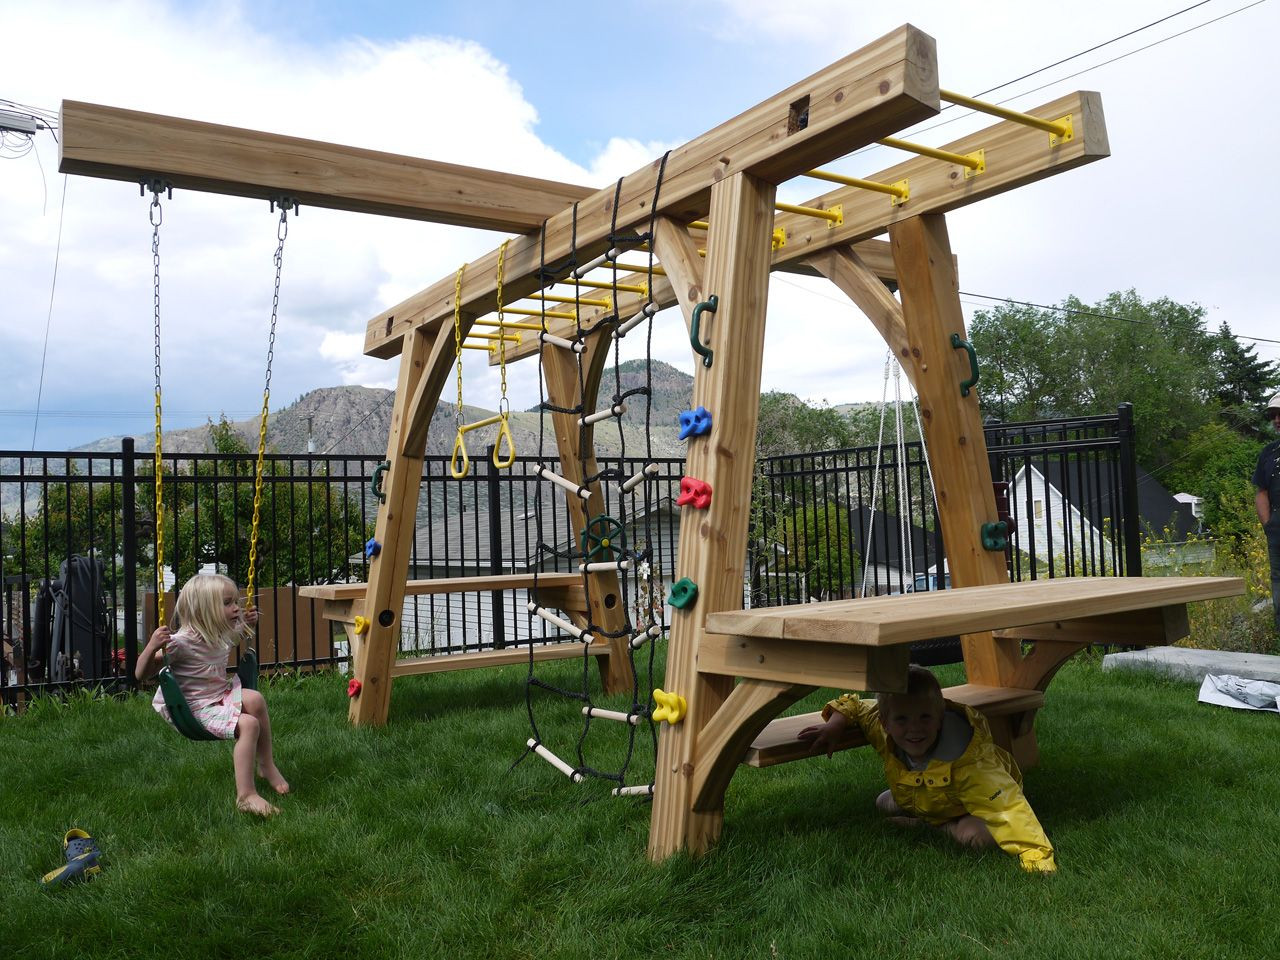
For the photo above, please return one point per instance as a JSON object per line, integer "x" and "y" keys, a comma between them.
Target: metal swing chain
{"x": 504, "y": 406}
{"x": 457, "y": 342}
{"x": 156, "y": 217}
{"x": 282, "y": 231}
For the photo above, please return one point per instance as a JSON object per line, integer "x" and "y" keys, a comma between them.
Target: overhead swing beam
{"x": 116, "y": 144}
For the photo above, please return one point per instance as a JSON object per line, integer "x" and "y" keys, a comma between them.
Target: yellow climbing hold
{"x": 671, "y": 707}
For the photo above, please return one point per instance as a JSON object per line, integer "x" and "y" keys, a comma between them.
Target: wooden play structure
{"x": 736, "y": 670}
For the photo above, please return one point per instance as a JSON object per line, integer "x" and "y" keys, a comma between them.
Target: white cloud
{"x": 1171, "y": 213}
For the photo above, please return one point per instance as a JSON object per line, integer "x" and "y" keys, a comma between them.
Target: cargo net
{"x": 613, "y": 550}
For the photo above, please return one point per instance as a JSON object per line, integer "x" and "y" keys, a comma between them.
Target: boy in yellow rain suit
{"x": 943, "y": 768}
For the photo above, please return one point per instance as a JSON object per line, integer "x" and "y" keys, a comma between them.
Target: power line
{"x": 48, "y": 320}
{"x": 1097, "y": 66}
{"x": 1095, "y": 313}
{"x": 378, "y": 406}
{"x": 1097, "y": 46}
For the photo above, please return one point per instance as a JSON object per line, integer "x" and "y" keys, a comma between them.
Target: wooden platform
{"x": 440, "y": 663}
{"x": 516, "y": 581}
{"x": 888, "y": 621}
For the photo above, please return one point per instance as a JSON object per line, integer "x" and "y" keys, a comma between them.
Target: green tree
{"x": 789, "y": 425}
{"x": 818, "y": 544}
{"x": 1082, "y": 360}
{"x": 76, "y": 516}
{"x": 1215, "y": 463}
{"x": 1245, "y": 382}
{"x": 307, "y": 529}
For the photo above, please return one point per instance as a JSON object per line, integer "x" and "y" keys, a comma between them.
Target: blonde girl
{"x": 210, "y": 622}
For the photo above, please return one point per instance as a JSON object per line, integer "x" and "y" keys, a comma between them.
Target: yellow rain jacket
{"x": 983, "y": 781}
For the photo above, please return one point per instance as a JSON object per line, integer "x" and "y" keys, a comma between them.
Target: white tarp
{"x": 1240, "y": 693}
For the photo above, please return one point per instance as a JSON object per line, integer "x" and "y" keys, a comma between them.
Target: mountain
{"x": 355, "y": 421}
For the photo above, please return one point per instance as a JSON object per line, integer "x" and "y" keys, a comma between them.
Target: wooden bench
{"x": 780, "y": 742}
{"x": 342, "y": 602}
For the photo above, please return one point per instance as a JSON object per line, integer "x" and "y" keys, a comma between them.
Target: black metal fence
{"x": 78, "y": 537}
{"x": 861, "y": 521}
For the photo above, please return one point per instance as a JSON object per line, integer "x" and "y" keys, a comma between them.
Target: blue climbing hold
{"x": 372, "y": 548}
{"x": 694, "y": 422}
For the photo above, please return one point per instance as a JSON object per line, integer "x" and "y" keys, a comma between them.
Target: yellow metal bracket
{"x": 779, "y": 237}
{"x": 1068, "y": 131}
{"x": 838, "y": 210}
{"x": 903, "y": 193}
{"x": 980, "y": 157}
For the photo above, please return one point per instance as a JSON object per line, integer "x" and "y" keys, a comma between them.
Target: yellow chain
{"x": 159, "y": 465}
{"x": 457, "y": 335}
{"x": 257, "y": 502}
{"x": 502, "y": 340}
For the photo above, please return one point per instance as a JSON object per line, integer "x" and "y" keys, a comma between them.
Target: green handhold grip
{"x": 375, "y": 482}
{"x": 710, "y": 304}
{"x": 995, "y": 536}
{"x": 967, "y": 347}
{"x": 683, "y": 593}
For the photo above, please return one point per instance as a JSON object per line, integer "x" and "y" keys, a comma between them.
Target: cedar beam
{"x": 116, "y": 144}
{"x": 874, "y": 91}
{"x": 1015, "y": 155}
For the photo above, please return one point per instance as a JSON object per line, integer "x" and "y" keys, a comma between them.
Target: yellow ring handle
{"x": 459, "y": 445}
{"x": 504, "y": 433}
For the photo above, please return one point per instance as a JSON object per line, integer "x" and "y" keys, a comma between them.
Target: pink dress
{"x": 201, "y": 671}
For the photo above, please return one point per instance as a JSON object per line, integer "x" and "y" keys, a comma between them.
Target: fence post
{"x": 129, "y": 544}
{"x": 1129, "y": 491}
{"x": 495, "y": 547}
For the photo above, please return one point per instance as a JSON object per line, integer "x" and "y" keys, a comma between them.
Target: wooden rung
{"x": 780, "y": 741}
{"x": 514, "y": 581}
{"x": 496, "y": 658}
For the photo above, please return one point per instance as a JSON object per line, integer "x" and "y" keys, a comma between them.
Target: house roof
{"x": 1087, "y": 487}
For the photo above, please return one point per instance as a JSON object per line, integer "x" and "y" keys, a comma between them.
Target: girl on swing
{"x": 210, "y": 622}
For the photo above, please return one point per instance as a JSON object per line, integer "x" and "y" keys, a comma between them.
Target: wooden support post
{"x": 713, "y": 542}
{"x": 384, "y": 599}
{"x": 576, "y": 446}
{"x": 952, "y": 424}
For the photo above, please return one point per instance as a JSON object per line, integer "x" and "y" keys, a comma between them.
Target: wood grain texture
{"x": 116, "y": 144}
{"x": 868, "y": 94}
{"x": 879, "y": 621}
{"x": 713, "y": 542}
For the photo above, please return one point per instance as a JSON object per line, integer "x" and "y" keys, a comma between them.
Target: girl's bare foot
{"x": 256, "y": 805}
{"x": 273, "y": 776}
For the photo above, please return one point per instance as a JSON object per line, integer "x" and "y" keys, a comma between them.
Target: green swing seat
{"x": 180, "y": 711}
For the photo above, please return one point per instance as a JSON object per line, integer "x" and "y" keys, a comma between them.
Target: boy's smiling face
{"x": 913, "y": 724}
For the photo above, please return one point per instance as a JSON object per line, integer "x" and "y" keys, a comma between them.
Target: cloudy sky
{"x": 584, "y": 93}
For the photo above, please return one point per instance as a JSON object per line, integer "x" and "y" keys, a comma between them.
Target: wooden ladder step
{"x": 780, "y": 741}
{"x": 505, "y": 581}
{"x": 495, "y": 658}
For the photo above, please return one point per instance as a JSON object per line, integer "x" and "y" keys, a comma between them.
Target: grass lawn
{"x": 421, "y": 840}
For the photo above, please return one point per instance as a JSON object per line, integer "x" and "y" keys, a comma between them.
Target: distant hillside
{"x": 355, "y": 421}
